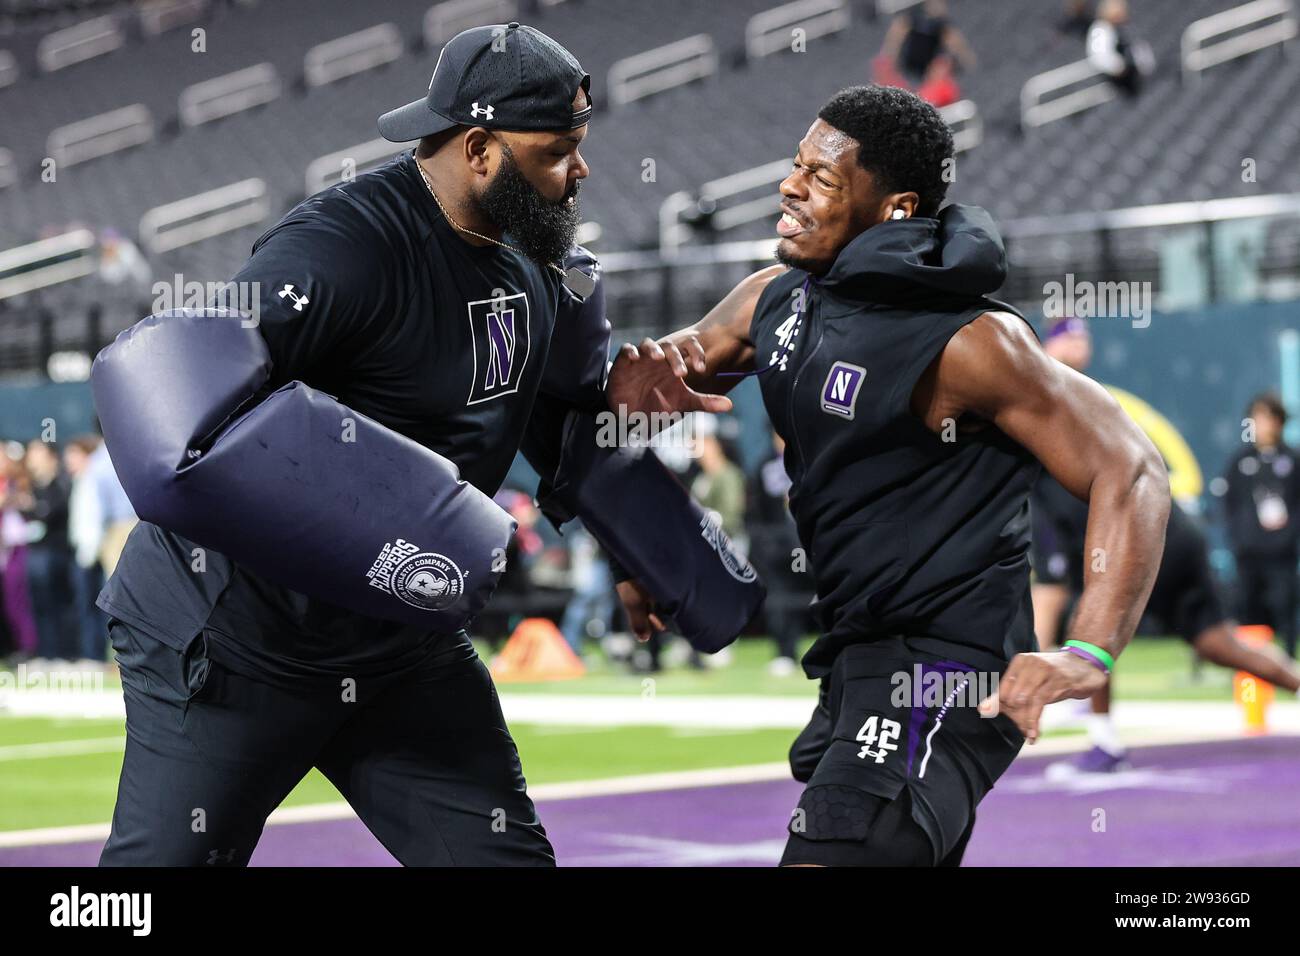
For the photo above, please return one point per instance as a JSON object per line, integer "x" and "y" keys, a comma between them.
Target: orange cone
{"x": 536, "y": 651}
{"x": 1253, "y": 693}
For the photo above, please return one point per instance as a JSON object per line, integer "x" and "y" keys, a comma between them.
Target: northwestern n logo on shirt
{"x": 840, "y": 393}
{"x": 499, "y": 328}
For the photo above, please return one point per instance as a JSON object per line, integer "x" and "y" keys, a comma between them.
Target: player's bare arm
{"x": 691, "y": 369}
{"x": 680, "y": 373}
{"x": 993, "y": 372}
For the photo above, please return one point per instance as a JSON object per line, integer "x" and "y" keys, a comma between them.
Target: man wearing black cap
{"x": 422, "y": 295}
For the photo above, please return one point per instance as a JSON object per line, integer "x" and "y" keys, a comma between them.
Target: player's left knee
{"x": 838, "y": 825}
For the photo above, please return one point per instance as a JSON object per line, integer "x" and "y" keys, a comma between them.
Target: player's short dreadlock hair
{"x": 902, "y": 140}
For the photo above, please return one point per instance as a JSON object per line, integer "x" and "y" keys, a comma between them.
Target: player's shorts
{"x": 1185, "y": 598}
{"x": 895, "y": 760}
{"x": 422, "y": 755}
{"x": 1051, "y": 560}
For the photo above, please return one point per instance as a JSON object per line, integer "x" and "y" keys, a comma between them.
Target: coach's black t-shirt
{"x": 367, "y": 294}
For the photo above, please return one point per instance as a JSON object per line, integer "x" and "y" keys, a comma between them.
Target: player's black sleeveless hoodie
{"x": 906, "y": 533}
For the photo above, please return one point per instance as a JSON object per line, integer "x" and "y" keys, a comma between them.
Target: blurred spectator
{"x": 115, "y": 510}
{"x": 1261, "y": 498}
{"x": 49, "y": 556}
{"x": 1076, "y": 20}
{"x": 1113, "y": 50}
{"x": 13, "y": 556}
{"x": 121, "y": 261}
{"x": 940, "y": 88}
{"x": 720, "y": 486}
{"x": 921, "y": 51}
{"x": 513, "y": 599}
{"x": 588, "y": 611}
{"x": 86, "y": 535}
{"x": 775, "y": 541}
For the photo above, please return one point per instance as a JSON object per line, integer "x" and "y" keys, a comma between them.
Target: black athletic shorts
{"x": 423, "y": 756}
{"x": 1185, "y": 598}
{"x": 895, "y": 770}
{"x": 1048, "y": 555}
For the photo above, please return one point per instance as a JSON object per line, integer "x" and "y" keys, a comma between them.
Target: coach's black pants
{"x": 424, "y": 757}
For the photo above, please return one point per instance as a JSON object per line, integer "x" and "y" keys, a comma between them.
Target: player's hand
{"x": 640, "y": 607}
{"x": 1032, "y": 681}
{"x": 651, "y": 377}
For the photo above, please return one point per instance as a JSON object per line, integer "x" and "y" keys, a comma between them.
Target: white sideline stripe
{"x": 638, "y": 783}
{"x": 84, "y": 832}
{"x": 62, "y": 748}
{"x": 741, "y": 712}
{"x": 339, "y": 810}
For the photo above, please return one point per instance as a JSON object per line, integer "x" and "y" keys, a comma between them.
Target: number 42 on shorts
{"x": 881, "y": 733}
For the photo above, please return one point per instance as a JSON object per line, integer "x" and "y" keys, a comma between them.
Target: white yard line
{"x": 638, "y": 783}
{"x": 701, "y": 713}
{"x": 338, "y": 810}
{"x": 62, "y": 748}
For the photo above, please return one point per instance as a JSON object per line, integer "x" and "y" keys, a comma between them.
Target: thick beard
{"x": 543, "y": 230}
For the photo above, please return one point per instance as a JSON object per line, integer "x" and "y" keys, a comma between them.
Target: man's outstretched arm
{"x": 681, "y": 371}
{"x": 995, "y": 370}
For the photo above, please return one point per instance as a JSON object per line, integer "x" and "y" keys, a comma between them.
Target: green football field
{"x": 63, "y": 771}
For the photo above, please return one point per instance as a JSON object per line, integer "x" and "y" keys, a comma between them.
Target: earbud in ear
{"x": 898, "y": 214}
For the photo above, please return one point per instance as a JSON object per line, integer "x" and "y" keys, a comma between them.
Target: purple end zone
{"x": 1228, "y": 803}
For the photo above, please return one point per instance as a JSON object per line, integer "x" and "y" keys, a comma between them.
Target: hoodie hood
{"x": 958, "y": 253}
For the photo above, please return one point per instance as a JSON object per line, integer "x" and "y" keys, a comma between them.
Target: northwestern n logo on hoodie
{"x": 499, "y": 328}
{"x": 905, "y": 533}
{"x": 840, "y": 393}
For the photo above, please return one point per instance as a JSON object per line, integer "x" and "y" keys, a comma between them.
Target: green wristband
{"x": 1097, "y": 652}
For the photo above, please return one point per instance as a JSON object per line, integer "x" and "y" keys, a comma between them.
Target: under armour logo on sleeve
{"x": 298, "y": 300}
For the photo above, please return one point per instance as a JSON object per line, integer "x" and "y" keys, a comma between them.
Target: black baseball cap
{"x": 501, "y": 76}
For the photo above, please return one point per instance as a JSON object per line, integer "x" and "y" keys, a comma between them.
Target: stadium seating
{"x": 1174, "y": 142}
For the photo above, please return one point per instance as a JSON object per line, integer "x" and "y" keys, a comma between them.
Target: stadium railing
{"x": 84, "y": 40}
{"x": 445, "y": 20}
{"x": 770, "y": 31}
{"x": 1040, "y": 104}
{"x": 8, "y": 68}
{"x": 662, "y": 68}
{"x": 228, "y": 94}
{"x": 100, "y": 135}
{"x": 208, "y": 214}
{"x": 48, "y": 262}
{"x": 1237, "y": 32}
{"x": 352, "y": 54}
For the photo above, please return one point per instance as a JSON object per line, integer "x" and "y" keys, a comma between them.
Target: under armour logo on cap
{"x": 507, "y": 74}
